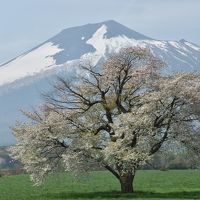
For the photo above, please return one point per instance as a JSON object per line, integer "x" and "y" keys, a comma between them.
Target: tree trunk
{"x": 126, "y": 182}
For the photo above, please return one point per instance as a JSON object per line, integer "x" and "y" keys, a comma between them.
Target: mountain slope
{"x": 23, "y": 78}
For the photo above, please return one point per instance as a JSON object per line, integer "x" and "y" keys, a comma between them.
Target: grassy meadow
{"x": 160, "y": 185}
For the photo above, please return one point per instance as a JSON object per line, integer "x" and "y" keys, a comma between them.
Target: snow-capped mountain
{"x": 23, "y": 78}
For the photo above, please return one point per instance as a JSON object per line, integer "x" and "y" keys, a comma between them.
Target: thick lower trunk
{"x": 126, "y": 182}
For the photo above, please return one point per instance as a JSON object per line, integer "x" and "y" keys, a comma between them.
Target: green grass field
{"x": 183, "y": 184}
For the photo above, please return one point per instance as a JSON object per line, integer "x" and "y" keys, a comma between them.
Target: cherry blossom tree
{"x": 118, "y": 115}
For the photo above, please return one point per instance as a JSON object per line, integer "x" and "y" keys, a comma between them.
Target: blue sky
{"x": 26, "y": 23}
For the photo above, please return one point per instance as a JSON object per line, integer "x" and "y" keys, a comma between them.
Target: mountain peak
{"x": 114, "y": 29}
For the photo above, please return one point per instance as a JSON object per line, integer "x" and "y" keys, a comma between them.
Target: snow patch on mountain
{"x": 193, "y": 46}
{"x": 29, "y": 64}
{"x": 97, "y": 40}
{"x": 104, "y": 46}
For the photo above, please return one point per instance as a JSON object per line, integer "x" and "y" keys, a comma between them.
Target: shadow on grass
{"x": 117, "y": 194}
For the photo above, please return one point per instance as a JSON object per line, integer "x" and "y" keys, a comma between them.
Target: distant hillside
{"x": 6, "y": 162}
